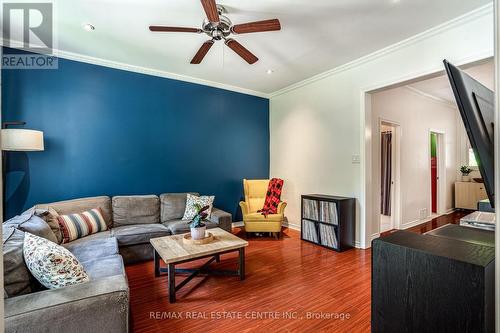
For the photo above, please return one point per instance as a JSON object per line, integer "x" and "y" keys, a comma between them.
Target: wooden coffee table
{"x": 172, "y": 250}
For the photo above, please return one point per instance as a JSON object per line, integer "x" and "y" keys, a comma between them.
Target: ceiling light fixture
{"x": 269, "y": 71}
{"x": 88, "y": 27}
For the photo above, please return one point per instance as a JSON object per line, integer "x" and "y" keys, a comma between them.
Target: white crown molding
{"x": 141, "y": 70}
{"x": 477, "y": 13}
{"x": 434, "y": 98}
{"x": 467, "y": 17}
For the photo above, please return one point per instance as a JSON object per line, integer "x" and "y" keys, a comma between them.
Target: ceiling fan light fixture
{"x": 219, "y": 27}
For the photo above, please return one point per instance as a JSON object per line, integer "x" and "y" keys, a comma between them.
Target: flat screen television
{"x": 476, "y": 105}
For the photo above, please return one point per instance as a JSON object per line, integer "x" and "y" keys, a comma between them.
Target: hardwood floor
{"x": 290, "y": 286}
{"x": 285, "y": 277}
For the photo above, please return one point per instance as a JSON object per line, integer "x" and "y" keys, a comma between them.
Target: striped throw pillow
{"x": 74, "y": 226}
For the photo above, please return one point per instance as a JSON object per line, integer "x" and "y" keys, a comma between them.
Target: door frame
{"x": 441, "y": 171}
{"x": 367, "y": 210}
{"x": 396, "y": 174}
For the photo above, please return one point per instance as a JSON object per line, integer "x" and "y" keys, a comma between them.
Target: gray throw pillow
{"x": 29, "y": 222}
{"x": 17, "y": 278}
{"x": 50, "y": 216}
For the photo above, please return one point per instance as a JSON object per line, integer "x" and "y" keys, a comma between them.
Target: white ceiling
{"x": 440, "y": 88}
{"x": 316, "y": 35}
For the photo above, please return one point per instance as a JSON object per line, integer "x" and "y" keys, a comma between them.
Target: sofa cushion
{"x": 173, "y": 205}
{"x": 136, "y": 209}
{"x": 81, "y": 205}
{"x": 99, "y": 235}
{"x": 182, "y": 226}
{"x": 29, "y": 222}
{"x": 16, "y": 276}
{"x": 137, "y": 253}
{"x": 74, "y": 226}
{"x": 139, "y": 233}
{"x": 51, "y": 264}
{"x": 106, "y": 266}
{"x": 88, "y": 249}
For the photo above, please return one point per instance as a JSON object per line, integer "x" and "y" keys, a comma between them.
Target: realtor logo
{"x": 29, "y": 27}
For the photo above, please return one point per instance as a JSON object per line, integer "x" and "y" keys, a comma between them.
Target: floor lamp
{"x": 17, "y": 139}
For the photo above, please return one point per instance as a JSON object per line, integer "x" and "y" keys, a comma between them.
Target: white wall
{"x": 317, "y": 125}
{"x": 416, "y": 116}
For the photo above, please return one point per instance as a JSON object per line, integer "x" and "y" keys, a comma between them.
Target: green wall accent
{"x": 433, "y": 145}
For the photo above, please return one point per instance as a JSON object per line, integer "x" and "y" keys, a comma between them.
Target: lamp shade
{"x": 18, "y": 139}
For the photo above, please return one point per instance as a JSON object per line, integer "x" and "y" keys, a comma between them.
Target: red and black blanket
{"x": 273, "y": 196}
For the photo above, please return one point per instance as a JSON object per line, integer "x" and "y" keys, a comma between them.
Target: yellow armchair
{"x": 255, "y": 195}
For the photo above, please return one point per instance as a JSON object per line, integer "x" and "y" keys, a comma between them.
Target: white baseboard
{"x": 238, "y": 224}
{"x": 292, "y": 226}
{"x": 427, "y": 219}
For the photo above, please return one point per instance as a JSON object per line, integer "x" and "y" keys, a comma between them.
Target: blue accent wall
{"x": 110, "y": 132}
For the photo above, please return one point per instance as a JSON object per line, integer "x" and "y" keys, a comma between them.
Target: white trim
{"x": 141, "y": 70}
{"x": 396, "y": 209}
{"x": 432, "y": 97}
{"x": 238, "y": 224}
{"x": 467, "y": 17}
{"x": 424, "y": 74}
{"x": 357, "y": 244}
{"x": 414, "y": 223}
{"x": 442, "y": 190}
{"x": 292, "y": 226}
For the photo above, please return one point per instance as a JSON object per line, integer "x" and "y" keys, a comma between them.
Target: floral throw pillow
{"x": 191, "y": 202}
{"x": 51, "y": 264}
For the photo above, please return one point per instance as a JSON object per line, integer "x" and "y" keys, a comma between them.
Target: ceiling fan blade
{"x": 241, "y": 51}
{"x": 258, "y": 26}
{"x": 202, "y": 52}
{"x": 210, "y": 8}
{"x": 173, "y": 29}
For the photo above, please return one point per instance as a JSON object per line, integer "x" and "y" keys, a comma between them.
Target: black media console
{"x": 442, "y": 281}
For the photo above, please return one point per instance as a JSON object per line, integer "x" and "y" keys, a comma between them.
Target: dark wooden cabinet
{"x": 328, "y": 221}
{"x": 442, "y": 281}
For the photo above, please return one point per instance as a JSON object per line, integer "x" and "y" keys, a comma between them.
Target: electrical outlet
{"x": 423, "y": 213}
{"x": 356, "y": 159}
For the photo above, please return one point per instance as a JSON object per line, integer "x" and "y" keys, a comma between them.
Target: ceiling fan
{"x": 218, "y": 27}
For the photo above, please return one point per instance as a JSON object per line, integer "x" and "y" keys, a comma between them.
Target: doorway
{"x": 436, "y": 171}
{"x": 389, "y": 175}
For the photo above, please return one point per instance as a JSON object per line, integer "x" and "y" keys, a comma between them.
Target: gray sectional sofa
{"x": 101, "y": 305}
